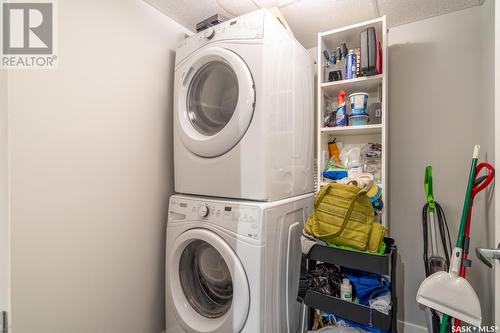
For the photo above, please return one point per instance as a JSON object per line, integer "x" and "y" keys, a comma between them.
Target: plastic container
{"x": 358, "y": 120}
{"x": 359, "y": 102}
{"x": 346, "y": 290}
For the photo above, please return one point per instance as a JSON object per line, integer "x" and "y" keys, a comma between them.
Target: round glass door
{"x": 208, "y": 285}
{"x": 215, "y": 101}
{"x": 212, "y": 97}
{"x": 205, "y": 279}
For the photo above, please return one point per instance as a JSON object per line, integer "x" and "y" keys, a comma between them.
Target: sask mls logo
{"x": 28, "y": 35}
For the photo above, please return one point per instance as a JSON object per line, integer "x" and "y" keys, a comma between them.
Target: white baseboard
{"x": 405, "y": 327}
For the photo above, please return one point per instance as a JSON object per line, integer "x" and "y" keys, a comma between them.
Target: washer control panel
{"x": 241, "y": 219}
{"x": 250, "y": 26}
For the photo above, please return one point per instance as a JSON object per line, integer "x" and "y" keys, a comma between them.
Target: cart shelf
{"x": 349, "y": 310}
{"x": 363, "y": 261}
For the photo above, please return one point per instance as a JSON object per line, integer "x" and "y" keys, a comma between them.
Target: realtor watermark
{"x": 474, "y": 329}
{"x": 28, "y": 34}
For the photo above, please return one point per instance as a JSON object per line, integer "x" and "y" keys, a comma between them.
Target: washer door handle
{"x": 186, "y": 76}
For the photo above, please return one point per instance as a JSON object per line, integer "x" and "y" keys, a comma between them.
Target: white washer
{"x": 233, "y": 266}
{"x": 243, "y": 111}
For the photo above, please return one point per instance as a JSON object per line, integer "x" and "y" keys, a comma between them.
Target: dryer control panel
{"x": 249, "y": 26}
{"x": 241, "y": 219}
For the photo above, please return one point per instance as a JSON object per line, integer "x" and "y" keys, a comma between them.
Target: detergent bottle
{"x": 346, "y": 290}
{"x": 341, "y": 113}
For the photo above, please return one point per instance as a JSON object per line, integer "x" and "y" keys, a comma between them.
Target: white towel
{"x": 307, "y": 242}
{"x": 381, "y": 303}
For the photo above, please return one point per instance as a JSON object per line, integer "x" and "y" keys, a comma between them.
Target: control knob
{"x": 209, "y": 33}
{"x": 203, "y": 211}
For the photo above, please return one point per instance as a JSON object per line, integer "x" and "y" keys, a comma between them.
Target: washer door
{"x": 216, "y": 102}
{"x": 208, "y": 284}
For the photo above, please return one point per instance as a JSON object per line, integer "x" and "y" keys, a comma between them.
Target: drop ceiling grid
{"x": 308, "y": 17}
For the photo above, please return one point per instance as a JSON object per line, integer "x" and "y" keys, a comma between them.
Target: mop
{"x": 447, "y": 292}
{"x": 480, "y": 183}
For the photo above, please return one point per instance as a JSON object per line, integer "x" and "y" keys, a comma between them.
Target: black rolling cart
{"x": 381, "y": 264}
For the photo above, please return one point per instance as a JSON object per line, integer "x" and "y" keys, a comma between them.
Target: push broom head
{"x": 451, "y": 294}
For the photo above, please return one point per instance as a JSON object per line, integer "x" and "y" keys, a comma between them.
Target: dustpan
{"x": 447, "y": 292}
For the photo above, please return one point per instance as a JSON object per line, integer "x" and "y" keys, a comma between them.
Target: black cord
{"x": 426, "y": 241}
{"x": 444, "y": 235}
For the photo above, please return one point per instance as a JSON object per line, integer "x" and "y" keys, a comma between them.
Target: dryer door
{"x": 208, "y": 285}
{"x": 216, "y": 99}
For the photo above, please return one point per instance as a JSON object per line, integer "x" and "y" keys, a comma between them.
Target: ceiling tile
{"x": 404, "y": 11}
{"x": 449, "y": 6}
{"x": 238, "y": 7}
{"x": 308, "y": 17}
{"x": 188, "y": 12}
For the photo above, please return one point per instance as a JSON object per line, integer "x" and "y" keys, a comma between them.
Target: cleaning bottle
{"x": 346, "y": 290}
{"x": 341, "y": 113}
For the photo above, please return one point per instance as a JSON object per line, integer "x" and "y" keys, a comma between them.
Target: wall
{"x": 91, "y": 161}
{"x": 4, "y": 225}
{"x": 496, "y": 95}
{"x": 440, "y": 105}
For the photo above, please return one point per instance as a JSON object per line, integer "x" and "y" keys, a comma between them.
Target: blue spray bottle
{"x": 341, "y": 113}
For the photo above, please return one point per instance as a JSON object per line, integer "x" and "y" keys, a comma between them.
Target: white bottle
{"x": 346, "y": 290}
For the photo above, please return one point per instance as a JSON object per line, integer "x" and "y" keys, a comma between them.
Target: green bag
{"x": 344, "y": 215}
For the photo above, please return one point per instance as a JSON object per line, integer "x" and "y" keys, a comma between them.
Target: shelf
{"x": 350, "y": 34}
{"x": 380, "y": 264}
{"x": 349, "y": 310}
{"x": 353, "y": 130}
{"x": 360, "y": 84}
{"x": 324, "y": 183}
{"x": 374, "y": 85}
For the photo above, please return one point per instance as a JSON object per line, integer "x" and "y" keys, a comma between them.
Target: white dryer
{"x": 243, "y": 111}
{"x": 233, "y": 266}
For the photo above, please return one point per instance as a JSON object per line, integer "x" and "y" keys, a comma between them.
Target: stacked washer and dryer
{"x": 243, "y": 155}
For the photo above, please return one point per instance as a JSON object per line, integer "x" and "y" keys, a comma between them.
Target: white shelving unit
{"x": 376, "y": 133}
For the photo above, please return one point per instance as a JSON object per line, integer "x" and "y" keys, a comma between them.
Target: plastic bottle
{"x": 341, "y": 113}
{"x": 346, "y": 290}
